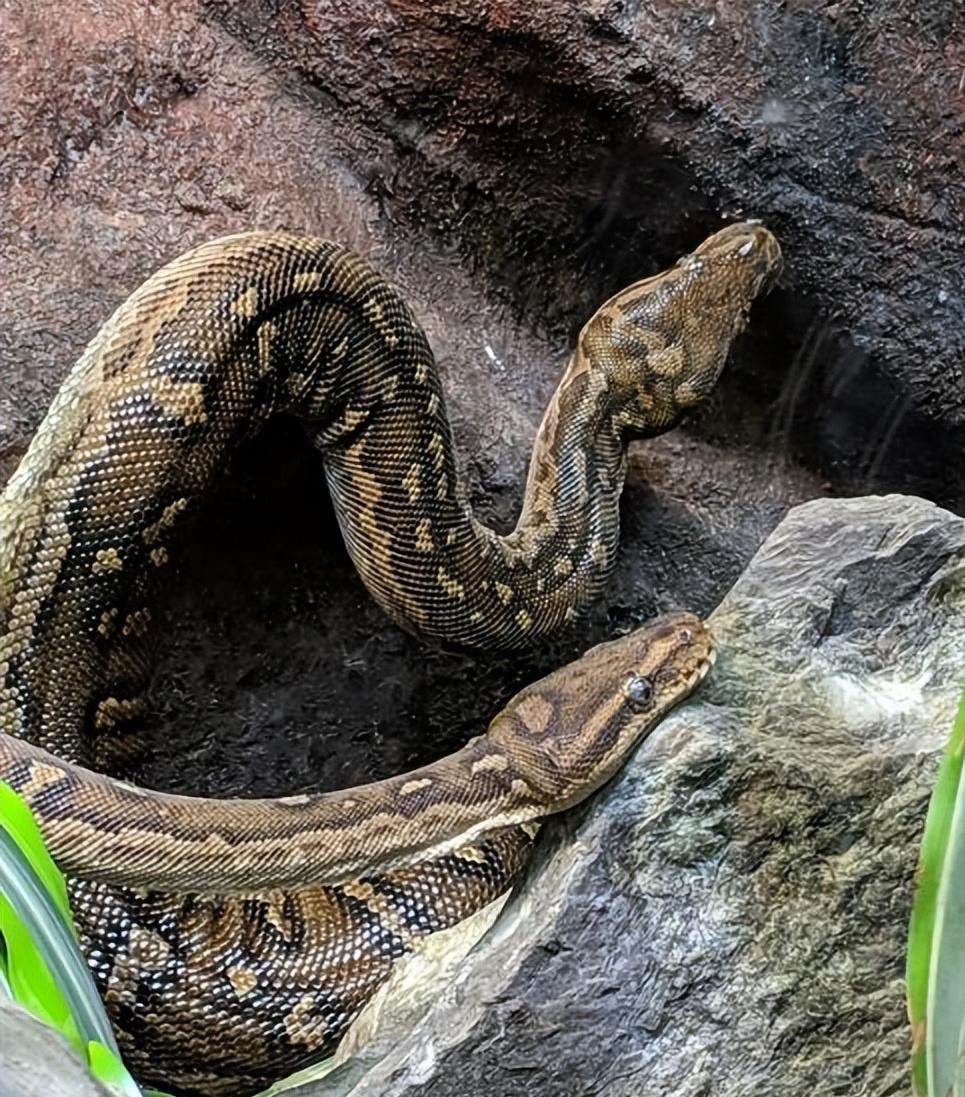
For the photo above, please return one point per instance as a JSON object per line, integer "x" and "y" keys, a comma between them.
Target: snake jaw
{"x": 743, "y": 240}
{"x": 705, "y": 667}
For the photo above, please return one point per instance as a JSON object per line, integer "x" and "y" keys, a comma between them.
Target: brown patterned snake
{"x": 239, "y": 964}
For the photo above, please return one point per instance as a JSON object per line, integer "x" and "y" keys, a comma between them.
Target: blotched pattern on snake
{"x": 234, "y": 940}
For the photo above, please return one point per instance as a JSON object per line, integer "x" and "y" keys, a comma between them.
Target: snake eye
{"x": 638, "y": 691}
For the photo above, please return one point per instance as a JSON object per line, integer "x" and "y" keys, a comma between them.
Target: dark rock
{"x": 729, "y": 916}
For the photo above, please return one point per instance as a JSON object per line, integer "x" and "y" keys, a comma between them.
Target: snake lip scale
{"x": 233, "y": 941}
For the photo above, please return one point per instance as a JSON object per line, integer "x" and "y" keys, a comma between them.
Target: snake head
{"x": 571, "y": 731}
{"x": 661, "y": 343}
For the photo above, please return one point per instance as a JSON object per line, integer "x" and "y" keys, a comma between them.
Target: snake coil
{"x": 233, "y": 941}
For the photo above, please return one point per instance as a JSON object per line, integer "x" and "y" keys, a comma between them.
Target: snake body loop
{"x": 223, "y": 957}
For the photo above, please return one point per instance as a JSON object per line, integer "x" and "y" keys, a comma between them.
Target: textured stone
{"x": 35, "y": 1061}
{"x": 729, "y": 916}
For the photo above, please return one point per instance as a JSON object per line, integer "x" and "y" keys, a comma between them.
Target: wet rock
{"x": 730, "y": 914}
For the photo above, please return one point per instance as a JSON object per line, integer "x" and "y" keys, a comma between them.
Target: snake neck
{"x": 197, "y": 359}
{"x": 567, "y": 532}
{"x": 433, "y": 566}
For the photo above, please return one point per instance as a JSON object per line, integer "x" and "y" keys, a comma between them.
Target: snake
{"x": 233, "y": 941}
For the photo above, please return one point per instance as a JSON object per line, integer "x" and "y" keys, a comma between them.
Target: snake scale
{"x": 233, "y": 941}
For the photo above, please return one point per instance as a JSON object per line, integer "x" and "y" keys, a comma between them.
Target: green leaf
{"x": 17, "y": 819}
{"x": 106, "y": 1066}
{"x": 42, "y": 965}
{"x": 29, "y": 979}
{"x": 960, "y": 1072}
{"x": 24, "y": 902}
{"x": 935, "y": 968}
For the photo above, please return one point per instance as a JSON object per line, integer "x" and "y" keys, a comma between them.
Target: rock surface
{"x": 730, "y": 916}
{"x": 35, "y": 1061}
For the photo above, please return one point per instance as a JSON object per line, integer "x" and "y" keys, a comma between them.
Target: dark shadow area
{"x": 799, "y": 390}
{"x": 278, "y": 673}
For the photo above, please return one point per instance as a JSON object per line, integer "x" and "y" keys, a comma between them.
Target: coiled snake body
{"x": 223, "y": 958}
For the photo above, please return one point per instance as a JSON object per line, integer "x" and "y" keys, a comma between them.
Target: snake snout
{"x": 749, "y": 246}
{"x": 758, "y": 246}
{"x": 694, "y": 650}
{"x": 679, "y": 651}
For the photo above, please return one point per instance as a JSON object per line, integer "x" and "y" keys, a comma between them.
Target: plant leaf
{"x": 934, "y": 973}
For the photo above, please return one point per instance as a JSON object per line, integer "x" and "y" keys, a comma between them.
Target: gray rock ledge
{"x": 36, "y": 1061}
{"x": 729, "y": 916}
